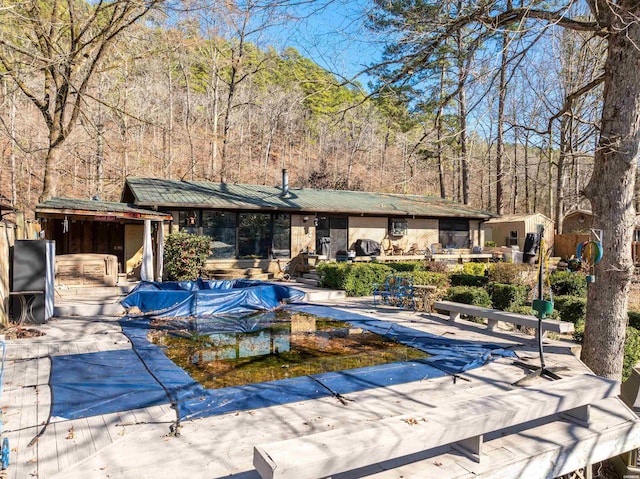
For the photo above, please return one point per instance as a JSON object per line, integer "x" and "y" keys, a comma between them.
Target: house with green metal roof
{"x": 257, "y": 222}
{"x": 256, "y": 226}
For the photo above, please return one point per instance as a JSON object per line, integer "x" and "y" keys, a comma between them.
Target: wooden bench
{"x": 493, "y": 316}
{"x": 396, "y": 291}
{"x": 460, "y": 424}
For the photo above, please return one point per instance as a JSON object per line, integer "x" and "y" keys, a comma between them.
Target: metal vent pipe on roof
{"x": 285, "y": 182}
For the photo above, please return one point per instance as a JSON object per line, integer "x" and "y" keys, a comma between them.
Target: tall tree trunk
{"x": 12, "y": 152}
{"x": 169, "y": 142}
{"x": 527, "y": 202}
{"x": 561, "y": 178}
{"x": 99, "y": 187}
{"x": 440, "y": 136}
{"x": 610, "y": 191}
{"x": 50, "y": 180}
{"x": 514, "y": 176}
{"x": 462, "y": 115}
{"x": 502, "y": 95}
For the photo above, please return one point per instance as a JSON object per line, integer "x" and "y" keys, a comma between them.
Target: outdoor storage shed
{"x": 511, "y": 230}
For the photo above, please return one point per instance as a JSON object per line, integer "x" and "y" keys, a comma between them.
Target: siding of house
{"x": 367, "y": 228}
{"x": 133, "y": 235}
{"x": 303, "y": 234}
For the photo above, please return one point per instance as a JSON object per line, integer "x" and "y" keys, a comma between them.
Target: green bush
{"x": 332, "y": 274}
{"x": 631, "y": 352}
{"x": 476, "y": 269}
{"x": 469, "y": 295}
{"x": 631, "y": 347}
{"x": 490, "y": 244}
{"x": 507, "y": 273}
{"x": 439, "y": 280}
{"x": 571, "y": 308}
{"x": 185, "y": 256}
{"x": 565, "y": 283}
{"x": 469, "y": 280}
{"x": 406, "y": 266}
{"x": 356, "y": 279}
{"x": 506, "y": 296}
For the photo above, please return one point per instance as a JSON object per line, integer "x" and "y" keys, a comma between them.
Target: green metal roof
{"x": 107, "y": 208}
{"x": 197, "y": 194}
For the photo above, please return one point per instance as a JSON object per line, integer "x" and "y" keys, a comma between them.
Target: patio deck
{"x": 138, "y": 444}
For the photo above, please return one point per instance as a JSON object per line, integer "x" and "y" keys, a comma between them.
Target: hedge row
{"x": 505, "y": 286}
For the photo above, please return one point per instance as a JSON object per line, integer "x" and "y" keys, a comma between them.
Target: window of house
{"x": 512, "y": 240}
{"x": 189, "y": 221}
{"x": 398, "y": 226}
{"x": 254, "y": 233}
{"x": 454, "y": 233}
{"x": 281, "y": 236}
{"x": 220, "y": 226}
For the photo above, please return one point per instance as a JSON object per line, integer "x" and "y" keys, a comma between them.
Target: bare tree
{"x": 60, "y": 44}
{"x": 610, "y": 189}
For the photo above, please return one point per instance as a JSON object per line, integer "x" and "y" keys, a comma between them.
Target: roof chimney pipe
{"x": 285, "y": 183}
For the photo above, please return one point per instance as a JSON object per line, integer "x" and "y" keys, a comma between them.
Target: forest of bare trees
{"x": 200, "y": 93}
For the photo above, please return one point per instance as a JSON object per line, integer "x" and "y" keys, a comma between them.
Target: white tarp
{"x": 146, "y": 271}
{"x": 160, "y": 252}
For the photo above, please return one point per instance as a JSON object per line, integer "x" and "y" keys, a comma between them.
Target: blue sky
{"x": 332, "y": 34}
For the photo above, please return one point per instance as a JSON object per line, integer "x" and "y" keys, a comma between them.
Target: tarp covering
{"x": 205, "y": 298}
{"x": 100, "y": 383}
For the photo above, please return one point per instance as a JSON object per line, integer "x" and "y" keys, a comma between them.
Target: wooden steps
{"x": 238, "y": 273}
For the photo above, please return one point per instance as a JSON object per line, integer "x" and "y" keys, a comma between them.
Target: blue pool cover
{"x": 206, "y": 298}
{"x": 99, "y": 383}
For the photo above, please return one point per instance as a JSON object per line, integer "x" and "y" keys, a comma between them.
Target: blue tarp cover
{"x": 204, "y": 298}
{"x": 100, "y": 383}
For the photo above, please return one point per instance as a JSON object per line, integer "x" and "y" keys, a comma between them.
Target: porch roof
{"x": 197, "y": 194}
{"x": 91, "y": 208}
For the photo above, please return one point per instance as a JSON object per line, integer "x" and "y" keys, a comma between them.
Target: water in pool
{"x": 225, "y": 352}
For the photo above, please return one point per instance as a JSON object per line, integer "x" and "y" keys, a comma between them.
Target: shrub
{"x": 468, "y": 280}
{"x": 476, "y": 269}
{"x": 435, "y": 266}
{"x": 355, "y": 279}
{"x": 506, "y": 296}
{"x": 185, "y": 256}
{"x": 507, "y": 273}
{"x": 631, "y": 352}
{"x": 490, "y": 244}
{"x": 332, "y": 274}
{"x": 407, "y": 266}
{"x": 469, "y": 295}
{"x": 571, "y": 308}
{"x": 439, "y": 280}
{"x": 565, "y": 283}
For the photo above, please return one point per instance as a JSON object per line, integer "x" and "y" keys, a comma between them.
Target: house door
{"x": 331, "y": 235}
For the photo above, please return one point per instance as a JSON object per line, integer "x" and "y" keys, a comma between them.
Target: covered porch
{"x": 133, "y": 235}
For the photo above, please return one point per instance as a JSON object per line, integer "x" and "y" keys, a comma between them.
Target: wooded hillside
{"x": 193, "y": 100}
